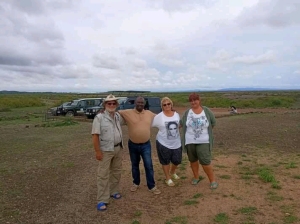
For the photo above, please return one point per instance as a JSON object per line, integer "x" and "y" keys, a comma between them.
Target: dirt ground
{"x": 56, "y": 183}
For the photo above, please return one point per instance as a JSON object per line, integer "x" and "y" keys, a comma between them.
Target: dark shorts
{"x": 166, "y": 155}
{"x": 199, "y": 152}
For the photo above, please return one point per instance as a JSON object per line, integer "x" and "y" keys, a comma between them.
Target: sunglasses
{"x": 166, "y": 104}
{"x": 111, "y": 104}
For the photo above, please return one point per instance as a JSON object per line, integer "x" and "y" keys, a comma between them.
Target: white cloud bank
{"x": 88, "y": 46}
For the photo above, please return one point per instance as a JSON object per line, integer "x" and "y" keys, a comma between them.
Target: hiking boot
{"x": 155, "y": 190}
{"x": 134, "y": 187}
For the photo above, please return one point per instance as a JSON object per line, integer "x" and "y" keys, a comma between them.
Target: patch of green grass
{"x": 5, "y": 110}
{"x": 245, "y": 168}
{"x": 248, "y": 210}
{"x": 291, "y": 165}
{"x": 244, "y": 155}
{"x": 247, "y": 160}
{"x": 14, "y": 192}
{"x": 266, "y": 175}
{"x": 137, "y": 213}
{"x": 198, "y": 195}
{"x": 12, "y": 213}
{"x": 201, "y": 177}
{"x": 135, "y": 222}
{"x": 239, "y": 163}
{"x": 272, "y": 196}
{"x": 220, "y": 166}
{"x": 177, "y": 219}
{"x": 290, "y": 219}
{"x": 275, "y": 185}
{"x": 182, "y": 167}
{"x": 287, "y": 208}
{"x": 222, "y": 218}
{"x": 225, "y": 177}
{"x": 190, "y": 202}
{"x": 68, "y": 164}
{"x": 183, "y": 177}
{"x": 247, "y": 177}
{"x": 296, "y": 177}
{"x": 65, "y": 122}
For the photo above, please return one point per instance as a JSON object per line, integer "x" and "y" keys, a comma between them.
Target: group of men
{"x": 107, "y": 140}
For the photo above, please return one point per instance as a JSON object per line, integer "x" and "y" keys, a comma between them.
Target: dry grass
{"x": 48, "y": 176}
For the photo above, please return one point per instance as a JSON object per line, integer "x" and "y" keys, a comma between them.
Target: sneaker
{"x": 155, "y": 190}
{"x": 134, "y": 187}
{"x": 170, "y": 183}
{"x": 175, "y": 176}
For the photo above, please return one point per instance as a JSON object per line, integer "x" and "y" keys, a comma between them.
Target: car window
{"x": 130, "y": 102}
{"x": 154, "y": 101}
{"x": 89, "y": 103}
{"x": 81, "y": 103}
{"x": 97, "y": 102}
{"x": 74, "y": 103}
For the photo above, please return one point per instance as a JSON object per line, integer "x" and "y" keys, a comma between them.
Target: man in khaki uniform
{"x": 107, "y": 140}
{"x": 139, "y": 123}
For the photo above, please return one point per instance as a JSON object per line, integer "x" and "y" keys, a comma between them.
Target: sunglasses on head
{"x": 111, "y": 104}
{"x": 165, "y": 104}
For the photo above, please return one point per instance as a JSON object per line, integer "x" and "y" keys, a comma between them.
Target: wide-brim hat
{"x": 110, "y": 97}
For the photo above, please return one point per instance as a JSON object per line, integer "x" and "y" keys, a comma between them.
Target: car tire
{"x": 70, "y": 114}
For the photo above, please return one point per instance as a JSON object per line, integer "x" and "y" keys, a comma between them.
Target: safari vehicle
{"x": 56, "y": 111}
{"x": 79, "y": 106}
{"x": 152, "y": 104}
{"x": 92, "y": 111}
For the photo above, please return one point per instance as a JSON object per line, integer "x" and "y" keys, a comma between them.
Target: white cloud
{"x": 273, "y": 13}
{"x": 267, "y": 57}
{"x": 88, "y": 46}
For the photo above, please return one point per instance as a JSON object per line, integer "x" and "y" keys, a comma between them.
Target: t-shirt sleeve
{"x": 96, "y": 125}
{"x": 155, "y": 121}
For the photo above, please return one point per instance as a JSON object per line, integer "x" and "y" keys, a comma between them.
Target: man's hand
{"x": 99, "y": 155}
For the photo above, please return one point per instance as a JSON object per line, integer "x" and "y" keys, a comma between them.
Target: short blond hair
{"x": 164, "y": 99}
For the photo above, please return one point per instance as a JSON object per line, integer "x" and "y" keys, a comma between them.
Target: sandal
{"x": 116, "y": 196}
{"x": 101, "y": 206}
{"x": 175, "y": 176}
{"x": 214, "y": 185}
{"x": 195, "y": 181}
{"x": 170, "y": 183}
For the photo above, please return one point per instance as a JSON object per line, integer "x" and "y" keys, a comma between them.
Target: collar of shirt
{"x": 108, "y": 115}
{"x": 142, "y": 112}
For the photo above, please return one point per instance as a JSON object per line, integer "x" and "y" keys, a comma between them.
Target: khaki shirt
{"x": 109, "y": 130}
{"x": 139, "y": 124}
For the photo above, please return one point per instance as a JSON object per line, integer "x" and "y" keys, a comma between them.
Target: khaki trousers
{"x": 109, "y": 174}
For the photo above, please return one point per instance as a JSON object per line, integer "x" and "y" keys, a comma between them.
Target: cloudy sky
{"x": 99, "y": 45}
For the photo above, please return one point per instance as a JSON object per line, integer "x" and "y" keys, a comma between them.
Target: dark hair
{"x": 172, "y": 122}
{"x": 194, "y": 96}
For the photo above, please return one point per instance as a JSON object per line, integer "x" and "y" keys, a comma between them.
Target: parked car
{"x": 152, "y": 104}
{"x": 92, "y": 111}
{"x": 79, "y": 106}
{"x": 56, "y": 111}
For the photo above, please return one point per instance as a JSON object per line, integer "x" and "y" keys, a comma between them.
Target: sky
{"x": 153, "y": 45}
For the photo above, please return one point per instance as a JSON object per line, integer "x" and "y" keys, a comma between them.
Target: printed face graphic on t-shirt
{"x": 172, "y": 129}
